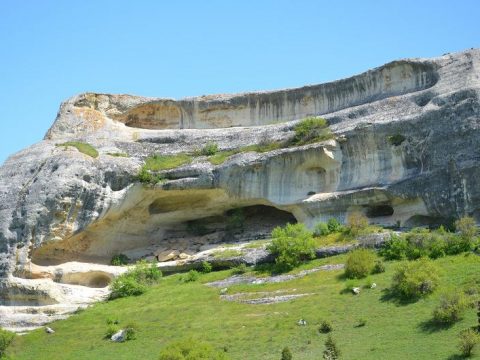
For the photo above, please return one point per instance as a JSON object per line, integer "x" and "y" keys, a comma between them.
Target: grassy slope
{"x": 172, "y": 310}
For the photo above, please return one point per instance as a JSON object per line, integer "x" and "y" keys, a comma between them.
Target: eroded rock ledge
{"x": 405, "y": 152}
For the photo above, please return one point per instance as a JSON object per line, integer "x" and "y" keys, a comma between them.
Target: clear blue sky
{"x": 51, "y": 50}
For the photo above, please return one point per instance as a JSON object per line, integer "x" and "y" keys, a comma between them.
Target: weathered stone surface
{"x": 406, "y": 152}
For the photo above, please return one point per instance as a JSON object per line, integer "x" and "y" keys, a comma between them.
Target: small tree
{"x": 451, "y": 308}
{"x": 467, "y": 341}
{"x": 359, "y": 263}
{"x": 415, "y": 279}
{"x": 466, "y": 226}
{"x": 357, "y": 222}
{"x": 291, "y": 245}
{"x": 286, "y": 354}
{"x": 331, "y": 351}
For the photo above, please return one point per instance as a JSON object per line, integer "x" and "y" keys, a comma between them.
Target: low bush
{"x": 111, "y": 330}
{"x": 291, "y": 245}
{"x": 6, "y": 338}
{"x": 191, "y": 276}
{"x": 361, "y": 322}
{"x": 311, "y": 130}
{"x": 357, "y": 223}
{"x": 84, "y": 148}
{"x": 206, "y": 267}
{"x": 420, "y": 242}
{"x": 321, "y": 229}
{"x": 211, "y": 148}
{"x": 379, "y": 267}
{"x": 359, "y": 263}
{"x": 235, "y": 221}
{"x": 396, "y": 140}
{"x": 135, "y": 281}
{"x": 330, "y": 227}
{"x": 415, "y": 279}
{"x": 468, "y": 339}
{"x": 286, "y": 354}
{"x": 331, "y": 352}
{"x": 450, "y": 309}
{"x": 240, "y": 269}
{"x": 145, "y": 176}
{"x": 191, "y": 350}
{"x": 119, "y": 260}
{"x": 466, "y": 227}
{"x": 130, "y": 332}
{"x": 325, "y": 327}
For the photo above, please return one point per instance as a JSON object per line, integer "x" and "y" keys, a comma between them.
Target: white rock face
{"x": 405, "y": 151}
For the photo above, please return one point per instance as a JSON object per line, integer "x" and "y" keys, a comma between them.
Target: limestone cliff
{"x": 406, "y": 151}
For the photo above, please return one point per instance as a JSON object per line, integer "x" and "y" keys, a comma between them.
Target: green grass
{"x": 84, "y": 148}
{"x": 118, "y": 154}
{"x": 221, "y": 156}
{"x": 172, "y": 310}
{"x": 228, "y": 253}
{"x": 165, "y": 162}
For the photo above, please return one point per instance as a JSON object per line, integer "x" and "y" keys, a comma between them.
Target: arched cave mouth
{"x": 240, "y": 224}
{"x": 164, "y": 115}
{"x": 381, "y": 210}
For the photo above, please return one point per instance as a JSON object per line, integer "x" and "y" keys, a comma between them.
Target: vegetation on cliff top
{"x": 84, "y": 148}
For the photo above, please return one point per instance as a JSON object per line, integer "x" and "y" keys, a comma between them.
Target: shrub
{"x": 467, "y": 341}
{"x": 84, "y": 148}
{"x": 111, "y": 330}
{"x": 359, "y": 263}
{"x": 135, "y": 281}
{"x": 146, "y": 177}
{"x": 331, "y": 351}
{"x": 124, "y": 286}
{"x": 451, "y": 308}
{"x": 396, "y": 140}
{"x": 311, "y": 130}
{"x": 291, "y": 245}
{"x": 414, "y": 279}
{"x": 361, "y": 322}
{"x": 395, "y": 248}
{"x": 6, "y": 338}
{"x": 130, "y": 332}
{"x": 191, "y": 276}
{"x": 325, "y": 327}
{"x": 191, "y": 350}
{"x": 379, "y": 267}
{"x": 466, "y": 226}
{"x": 211, "y": 148}
{"x": 357, "y": 222}
{"x": 321, "y": 229}
{"x": 235, "y": 221}
{"x": 119, "y": 260}
{"x": 334, "y": 225}
{"x": 456, "y": 244}
{"x": 286, "y": 354}
{"x": 240, "y": 269}
{"x": 206, "y": 267}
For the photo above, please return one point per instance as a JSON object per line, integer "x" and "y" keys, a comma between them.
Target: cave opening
{"x": 379, "y": 211}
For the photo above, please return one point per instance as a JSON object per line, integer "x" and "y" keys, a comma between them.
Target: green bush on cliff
{"x": 135, "y": 281}
{"x": 291, "y": 245}
{"x": 311, "y": 130}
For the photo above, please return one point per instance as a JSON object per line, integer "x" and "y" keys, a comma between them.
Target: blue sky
{"x": 51, "y": 50}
